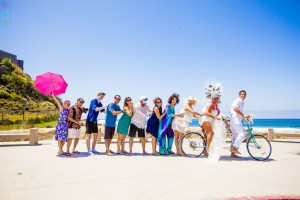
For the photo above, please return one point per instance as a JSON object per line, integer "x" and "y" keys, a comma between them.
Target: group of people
{"x": 165, "y": 126}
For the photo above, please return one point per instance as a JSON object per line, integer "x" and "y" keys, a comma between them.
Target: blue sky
{"x": 155, "y": 48}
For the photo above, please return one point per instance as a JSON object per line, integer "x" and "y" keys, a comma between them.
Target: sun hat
{"x": 143, "y": 99}
{"x": 191, "y": 98}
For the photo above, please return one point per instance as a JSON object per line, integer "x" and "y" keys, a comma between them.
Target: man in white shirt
{"x": 236, "y": 114}
{"x": 138, "y": 122}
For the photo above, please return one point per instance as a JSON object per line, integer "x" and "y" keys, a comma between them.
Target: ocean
{"x": 260, "y": 123}
{"x": 266, "y": 123}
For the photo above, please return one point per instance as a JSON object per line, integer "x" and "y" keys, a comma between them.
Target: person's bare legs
{"x": 107, "y": 144}
{"x": 176, "y": 136}
{"x": 69, "y": 142}
{"x": 60, "y": 146}
{"x": 123, "y": 144}
{"x": 210, "y": 133}
{"x": 179, "y": 144}
{"x": 95, "y": 136}
{"x": 233, "y": 151}
{"x": 130, "y": 145}
{"x": 76, "y": 140}
{"x": 88, "y": 141}
{"x": 154, "y": 141}
{"x": 143, "y": 140}
{"x": 119, "y": 143}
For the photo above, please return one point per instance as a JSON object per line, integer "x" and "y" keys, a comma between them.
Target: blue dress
{"x": 153, "y": 123}
{"x": 166, "y": 132}
{"x": 61, "y": 131}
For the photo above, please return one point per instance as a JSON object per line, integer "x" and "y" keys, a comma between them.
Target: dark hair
{"x": 157, "y": 99}
{"x": 125, "y": 101}
{"x": 242, "y": 91}
{"x": 174, "y": 95}
{"x": 101, "y": 93}
{"x": 117, "y": 96}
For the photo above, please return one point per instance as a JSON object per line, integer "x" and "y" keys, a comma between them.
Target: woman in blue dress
{"x": 61, "y": 131}
{"x": 165, "y": 126}
{"x": 153, "y": 123}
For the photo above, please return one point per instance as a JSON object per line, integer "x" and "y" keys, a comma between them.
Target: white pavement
{"x": 36, "y": 173}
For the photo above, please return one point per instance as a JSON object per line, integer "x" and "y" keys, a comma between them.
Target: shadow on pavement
{"x": 228, "y": 158}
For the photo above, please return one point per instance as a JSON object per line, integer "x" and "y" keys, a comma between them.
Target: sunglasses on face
{"x": 158, "y": 102}
{"x": 128, "y": 100}
{"x": 118, "y": 99}
{"x": 81, "y": 101}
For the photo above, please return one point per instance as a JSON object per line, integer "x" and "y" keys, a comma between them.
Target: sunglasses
{"x": 158, "y": 102}
{"x": 128, "y": 100}
{"x": 81, "y": 101}
{"x": 118, "y": 99}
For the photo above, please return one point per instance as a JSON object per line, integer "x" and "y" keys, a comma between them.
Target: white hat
{"x": 191, "y": 98}
{"x": 143, "y": 99}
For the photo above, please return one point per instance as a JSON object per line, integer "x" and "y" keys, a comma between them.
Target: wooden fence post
{"x": 270, "y": 134}
{"x": 33, "y": 136}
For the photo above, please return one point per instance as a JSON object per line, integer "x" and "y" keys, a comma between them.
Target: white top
{"x": 182, "y": 123}
{"x": 236, "y": 118}
{"x": 207, "y": 118}
{"x": 187, "y": 115}
{"x": 139, "y": 115}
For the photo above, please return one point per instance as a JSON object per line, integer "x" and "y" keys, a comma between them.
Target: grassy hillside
{"x": 17, "y": 90}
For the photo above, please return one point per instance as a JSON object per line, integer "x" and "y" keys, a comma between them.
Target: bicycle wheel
{"x": 259, "y": 147}
{"x": 193, "y": 144}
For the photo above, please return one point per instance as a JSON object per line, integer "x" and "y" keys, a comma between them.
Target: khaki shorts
{"x": 74, "y": 133}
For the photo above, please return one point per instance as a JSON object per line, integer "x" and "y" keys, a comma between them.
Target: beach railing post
{"x": 100, "y": 133}
{"x": 33, "y": 136}
{"x": 270, "y": 134}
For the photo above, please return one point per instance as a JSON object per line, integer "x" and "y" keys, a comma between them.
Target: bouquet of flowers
{"x": 225, "y": 118}
{"x": 250, "y": 119}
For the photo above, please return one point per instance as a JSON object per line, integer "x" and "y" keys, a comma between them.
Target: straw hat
{"x": 191, "y": 98}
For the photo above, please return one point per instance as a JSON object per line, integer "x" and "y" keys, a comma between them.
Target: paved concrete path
{"x": 35, "y": 172}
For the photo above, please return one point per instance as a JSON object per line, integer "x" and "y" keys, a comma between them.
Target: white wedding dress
{"x": 218, "y": 140}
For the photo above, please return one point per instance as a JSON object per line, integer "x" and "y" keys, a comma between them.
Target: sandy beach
{"x": 35, "y": 172}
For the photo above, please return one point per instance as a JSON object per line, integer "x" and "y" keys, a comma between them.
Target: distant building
{"x": 13, "y": 59}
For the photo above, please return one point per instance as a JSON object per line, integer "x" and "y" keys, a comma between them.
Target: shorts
{"x": 109, "y": 132}
{"x": 74, "y": 133}
{"x": 134, "y": 129}
{"x": 91, "y": 127}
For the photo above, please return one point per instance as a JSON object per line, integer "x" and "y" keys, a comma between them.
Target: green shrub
{"x": 6, "y": 122}
{"x": 36, "y": 120}
{"x": 16, "y": 97}
{"x": 4, "y": 94}
{"x": 7, "y": 63}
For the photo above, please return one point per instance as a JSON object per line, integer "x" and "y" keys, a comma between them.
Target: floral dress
{"x": 61, "y": 132}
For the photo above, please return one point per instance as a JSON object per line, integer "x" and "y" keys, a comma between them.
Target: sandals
{"x": 76, "y": 152}
{"x": 67, "y": 154}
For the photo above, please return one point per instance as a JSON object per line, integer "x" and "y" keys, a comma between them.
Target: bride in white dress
{"x": 212, "y": 123}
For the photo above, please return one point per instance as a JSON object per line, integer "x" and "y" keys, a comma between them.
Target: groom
{"x": 236, "y": 114}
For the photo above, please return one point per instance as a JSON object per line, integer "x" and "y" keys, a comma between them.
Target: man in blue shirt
{"x": 110, "y": 122}
{"x": 91, "y": 122}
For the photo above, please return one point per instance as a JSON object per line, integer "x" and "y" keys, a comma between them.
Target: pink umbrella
{"x": 48, "y": 82}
